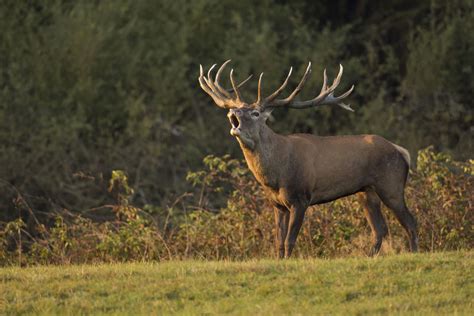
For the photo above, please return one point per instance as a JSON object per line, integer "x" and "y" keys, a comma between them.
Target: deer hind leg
{"x": 281, "y": 225}
{"x": 396, "y": 202}
{"x": 376, "y": 220}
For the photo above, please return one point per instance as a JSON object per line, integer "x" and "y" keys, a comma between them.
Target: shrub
{"x": 227, "y": 217}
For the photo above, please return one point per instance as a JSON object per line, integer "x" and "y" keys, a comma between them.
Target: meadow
{"x": 429, "y": 283}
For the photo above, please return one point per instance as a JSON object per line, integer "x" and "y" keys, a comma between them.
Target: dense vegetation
{"x": 426, "y": 284}
{"x": 228, "y": 218}
{"x": 87, "y": 88}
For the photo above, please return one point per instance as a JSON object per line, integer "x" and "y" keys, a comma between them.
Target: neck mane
{"x": 263, "y": 157}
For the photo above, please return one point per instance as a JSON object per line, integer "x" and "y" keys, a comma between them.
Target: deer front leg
{"x": 295, "y": 222}
{"x": 281, "y": 228}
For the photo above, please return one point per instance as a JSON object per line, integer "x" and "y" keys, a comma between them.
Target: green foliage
{"x": 227, "y": 217}
{"x": 131, "y": 236}
{"x": 444, "y": 204}
{"x": 437, "y": 85}
{"x": 223, "y": 176}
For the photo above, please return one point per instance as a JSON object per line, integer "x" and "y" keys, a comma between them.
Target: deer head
{"x": 249, "y": 119}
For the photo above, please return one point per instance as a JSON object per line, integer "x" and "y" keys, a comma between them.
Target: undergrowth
{"x": 227, "y": 217}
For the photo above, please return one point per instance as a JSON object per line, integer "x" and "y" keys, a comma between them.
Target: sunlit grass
{"x": 422, "y": 283}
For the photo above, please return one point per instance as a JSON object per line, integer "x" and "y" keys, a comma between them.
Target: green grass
{"x": 438, "y": 283}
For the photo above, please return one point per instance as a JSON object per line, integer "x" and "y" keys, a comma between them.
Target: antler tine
{"x": 259, "y": 92}
{"x": 327, "y": 93}
{"x": 209, "y": 72}
{"x": 297, "y": 89}
{"x": 218, "y": 76}
{"x": 205, "y": 86}
{"x": 325, "y": 81}
{"x": 241, "y": 84}
{"x": 331, "y": 99}
{"x": 236, "y": 89}
{"x": 346, "y": 94}
{"x": 275, "y": 94}
{"x": 221, "y": 68}
{"x": 325, "y": 90}
{"x": 216, "y": 80}
{"x": 212, "y": 85}
{"x": 336, "y": 81}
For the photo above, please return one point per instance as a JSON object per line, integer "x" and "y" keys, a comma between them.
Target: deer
{"x": 297, "y": 171}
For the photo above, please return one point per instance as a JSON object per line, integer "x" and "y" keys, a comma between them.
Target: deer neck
{"x": 262, "y": 159}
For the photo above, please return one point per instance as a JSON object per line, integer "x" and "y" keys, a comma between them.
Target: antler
{"x": 222, "y": 97}
{"x": 326, "y": 96}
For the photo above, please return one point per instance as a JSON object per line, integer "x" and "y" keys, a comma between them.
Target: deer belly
{"x": 328, "y": 193}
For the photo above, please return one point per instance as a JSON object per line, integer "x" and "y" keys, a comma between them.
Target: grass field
{"x": 424, "y": 283}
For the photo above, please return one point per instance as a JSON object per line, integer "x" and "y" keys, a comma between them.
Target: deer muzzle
{"x": 235, "y": 122}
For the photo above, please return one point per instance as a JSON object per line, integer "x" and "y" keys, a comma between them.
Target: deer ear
{"x": 267, "y": 114}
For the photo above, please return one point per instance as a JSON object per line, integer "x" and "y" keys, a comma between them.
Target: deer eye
{"x": 255, "y": 114}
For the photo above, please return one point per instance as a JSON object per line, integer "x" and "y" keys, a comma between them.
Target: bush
{"x": 227, "y": 217}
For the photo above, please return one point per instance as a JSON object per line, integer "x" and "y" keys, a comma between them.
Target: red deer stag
{"x": 301, "y": 170}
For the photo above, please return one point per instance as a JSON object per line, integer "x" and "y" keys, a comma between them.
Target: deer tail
{"x": 404, "y": 152}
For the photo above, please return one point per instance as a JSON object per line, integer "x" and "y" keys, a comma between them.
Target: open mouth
{"x": 234, "y": 120}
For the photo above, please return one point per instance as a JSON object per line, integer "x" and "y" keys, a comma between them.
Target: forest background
{"x": 100, "y": 107}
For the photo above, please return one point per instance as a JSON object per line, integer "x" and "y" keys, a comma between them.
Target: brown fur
{"x": 301, "y": 170}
